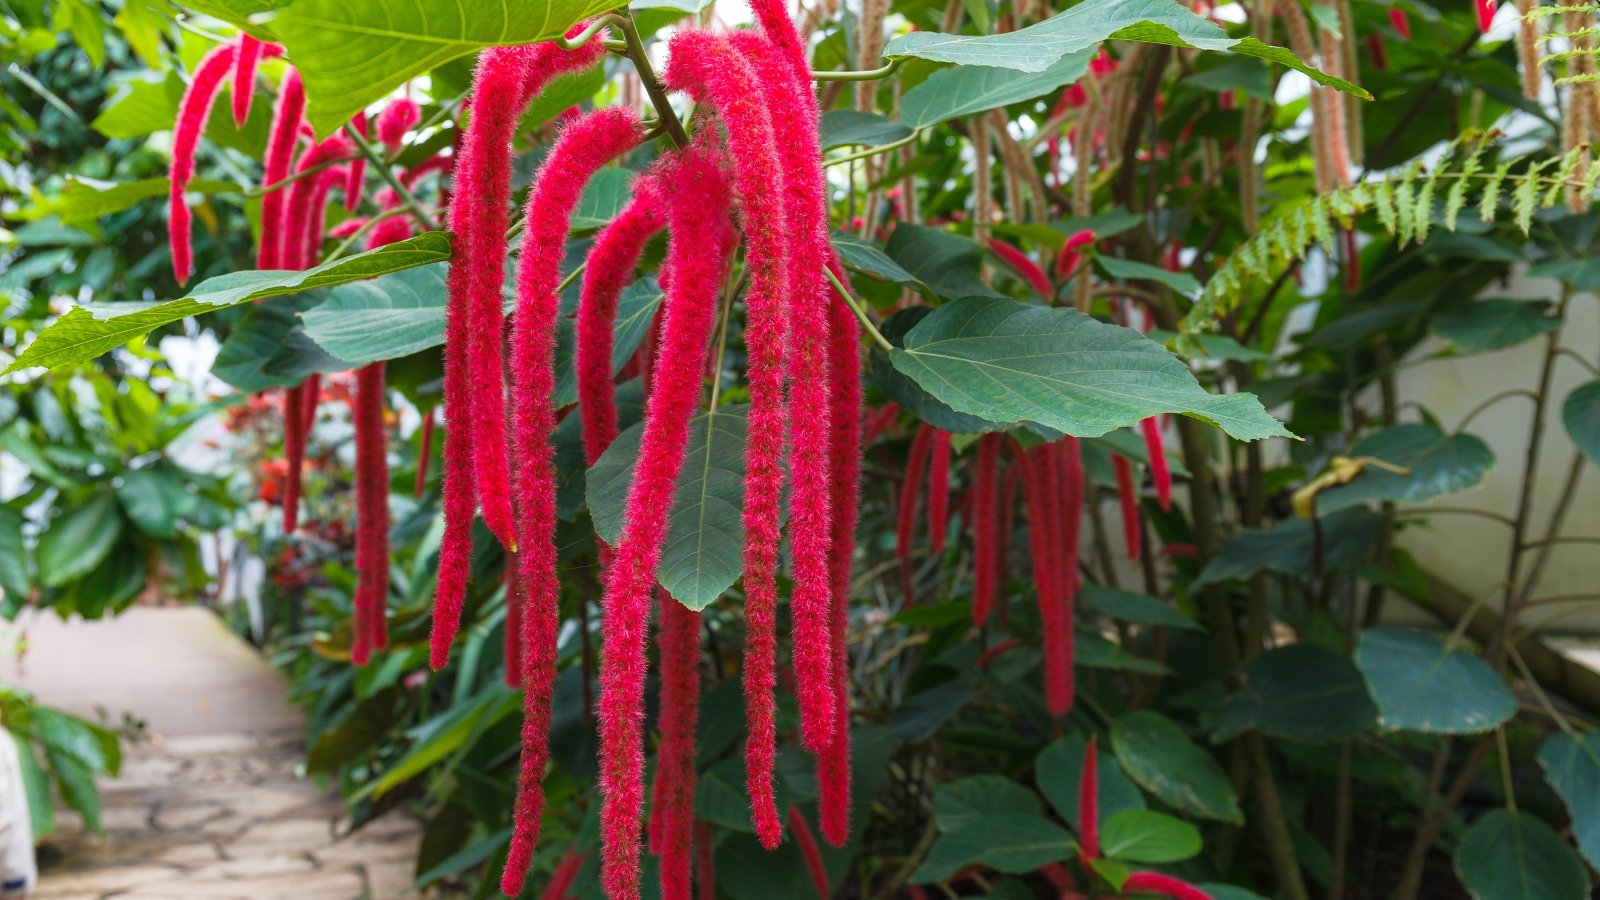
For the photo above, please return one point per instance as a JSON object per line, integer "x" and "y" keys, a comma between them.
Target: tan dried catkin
{"x": 1300, "y": 41}
{"x": 1528, "y": 50}
{"x": 982, "y": 188}
{"x": 1355, "y": 137}
{"x": 870, "y": 52}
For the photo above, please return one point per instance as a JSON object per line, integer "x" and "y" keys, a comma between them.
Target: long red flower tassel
{"x": 1162, "y": 886}
{"x": 1128, "y": 498}
{"x": 565, "y": 875}
{"x": 244, "y": 77}
{"x": 704, "y": 863}
{"x": 372, "y": 515}
{"x": 1024, "y": 266}
{"x": 294, "y": 449}
{"x": 939, "y": 490}
{"x": 585, "y": 146}
{"x": 424, "y": 452}
{"x": 609, "y": 268}
{"x": 193, "y": 110}
{"x": 809, "y": 851}
{"x": 675, "y": 758}
{"x": 1159, "y": 473}
{"x": 399, "y": 117}
{"x": 1069, "y": 513}
{"x": 287, "y": 114}
{"x": 986, "y": 528}
{"x": 910, "y": 488}
{"x": 709, "y": 68}
{"x": 794, "y": 117}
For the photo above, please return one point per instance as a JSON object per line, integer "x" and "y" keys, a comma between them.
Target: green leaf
{"x": 1083, "y": 27}
{"x": 1058, "y": 771}
{"x": 704, "y": 551}
{"x": 1292, "y": 546}
{"x": 1494, "y": 323}
{"x": 14, "y": 578}
{"x": 1095, "y": 652}
{"x": 445, "y": 734}
{"x": 967, "y": 90}
{"x": 268, "y": 348}
{"x": 1007, "y": 361}
{"x": 84, "y": 200}
{"x": 86, "y": 332}
{"x": 924, "y": 712}
{"x": 90, "y": 744}
{"x": 77, "y": 786}
{"x": 36, "y": 787}
{"x": 1419, "y": 685}
{"x": 353, "y": 53}
{"x": 1219, "y": 347}
{"x": 605, "y": 195}
{"x": 1572, "y": 766}
{"x": 1139, "y": 609}
{"x": 1439, "y": 464}
{"x": 1006, "y": 843}
{"x": 959, "y": 803}
{"x": 866, "y": 258}
{"x": 1147, "y": 836}
{"x": 153, "y": 498}
{"x": 1580, "y": 413}
{"x": 1132, "y": 270}
{"x": 385, "y": 318}
{"x": 849, "y": 127}
{"x": 1515, "y": 856}
{"x": 1160, "y": 758}
{"x": 947, "y": 263}
{"x": 77, "y": 541}
{"x": 636, "y": 309}
{"x": 907, "y": 393}
{"x": 1303, "y": 692}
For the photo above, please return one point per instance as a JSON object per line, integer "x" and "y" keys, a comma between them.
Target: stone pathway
{"x": 208, "y": 803}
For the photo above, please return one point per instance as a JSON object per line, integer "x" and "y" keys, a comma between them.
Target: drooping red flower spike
{"x": 245, "y": 58}
{"x": 710, "y": 69}
{"x": 400, "y": 116}
{"x": 583, "y": 148}
{"x": 606, "y": 273}
{"x": 1155, "y": 448}
{"x": 1069, "y": 457}
{"x": 1486, "y": 10}
{"x": 910, "y": 489}
{"x": 424, "y": 452}
{"x": 672, "y": 801}
{"x": 1089, "y": 803}
{"x": 193, "y": 110}
{"x": 844, "y": 361}
{"x": 1159, "y": 885}
{"x": 792, "y": 110}
{"x": 372, "y": 514}
{"x": 1024, "y": 266}
{"x": 303, "y": 213}
{"x": 939, "y": 490}
{"x": 1071, "y": 253}
{"x": 1402, "y": 24}
{"x": 473, "y": 378}
{"x": 705, "y": 865}
{"x": 294, "y": 448}
{"x": 1042, "y": 485}
{"x": 1128, "y": 498}
{"x": 1378, "y": 51}
{"x": 565, "y": 875}
{"x": 287, "y": 114}
{"x": 986, "y": 528}
{"x": 809, "y": 851}
{"x": 1351, "y": 260}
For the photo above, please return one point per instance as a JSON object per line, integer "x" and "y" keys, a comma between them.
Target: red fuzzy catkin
{"x": 1042, "y": 484}
{"x": 1402, "y": 24}
{"x": 1155, "y": 448}
{"x": 1069, "y": 458}
{"x": 287, "y": 114}
{"x": 1071, "y": 253}
{"x": 673, "y": 799}
{"x": 700, "y": 244}
{"x": 1024, "y": 266}
{"x": 424, "y": 453}
{"x": 193, "y": 110}
{"x": 301, "y": 232}
{"x": 473, "y": 376}
{"x": 356, "y": 176}
{"x": 515, "y": 603}
{"x": 1128, "y": 497}
{"x": 372, "y": 514}
{"x": 1162, "y": 886}
{"x": 709, "y": 68}
{"x": 986, "y": 528}
{"x": 844, "y": 359}
{"x": 294, "y": 449}
{"x": 910, "y": 488}
{"x": 565, "y": 875}
{"x": 606, "y": 273}
{"x": 704, "y": 863}
{"x": 1089, "y": 803}
{"x": 939, "y": 490}
{"x": 244, "y": 77}
{"x": 394, "y": 120}
{"x": 809, "y": 851}
{"x": 792, "y": 111}
{"x": 582, "y": 149}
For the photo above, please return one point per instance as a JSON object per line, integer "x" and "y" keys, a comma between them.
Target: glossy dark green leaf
{"x": 636, "y": 309}
{"x": 1007, "y": 361}
{"x": 1494, "y": 323}
{"x": 922, "y": 714}
{"x": 84, "y": 200}
{"x": 1160, "y": 758}
{"x": 1059, "y": 770}
{"x": 960, "y": 802}
{"x": 1419, "y": 685}
{"x": 153, "y": 498}
{"x": 1580, "y": 413}
{"x": 14, "y": 577}
{"x": 1572, "y": 766}
{"x": 865, "y": 257}
{"x": 78, "y": 540}
{"x": 966, "y": 90}
{"x": 86, "y": 332}
{"x": 1292, "y": 546}
{"x": 1516, "y": 856}
{"x": 1139, "y": 609}
{"x": 1147, "y": 836}
{"x": 1438, "y": 464}
{"x": 603, "y": 197}
{"x": 1013, "y": 843}
{"x": 1133, "y": 270}
{"x": 910, "y": 396}
{"x": 1091, "y": 651}
{"x": 849, "y": 127}
{"x": 1301, "y": 691}
{"x": 269, "y": 348}
{"x": 947, "y": 263}
{"x": 385, "y": 318}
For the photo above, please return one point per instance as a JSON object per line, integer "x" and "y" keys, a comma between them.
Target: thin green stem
{"x": 366, "y": 227}
{"x": 883, "y": 71}
{"x": 722, "y": 344}
{"x": 872, "y": 151}
{"x": 859, "y": 310}
{"x": 587, "y": 34}
{"x": 382, "y": 165}
{"x": 1506, "y": 784}
{"x": 572, "y": 277}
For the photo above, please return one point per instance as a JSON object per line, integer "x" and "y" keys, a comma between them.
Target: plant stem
{"x": 652, "y": 85}
{"x": 859, "y": 310}
{"x": 382, "y": 165}
{"x": 883, "y": 71}
{"x": 872, "y": 151}
{"x": 303, "y": 173}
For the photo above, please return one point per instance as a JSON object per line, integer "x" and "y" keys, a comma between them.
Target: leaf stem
{"x": 382, "y": 165}
{"x": 587, "y": 34}
{"x": 859, "y": 310}
{"x": 883, "y": 71}
{"x": 872, "y": 151}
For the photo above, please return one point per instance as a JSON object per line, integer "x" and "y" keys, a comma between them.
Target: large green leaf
{"x": 268, "y": 347}
{"x": 77, "y": 541}
{"x": 1581, "y": 414}
{"x": 1494, "y": 323}
{"x": 1012, "y": 842}
{"x": 1161, "y": 759}
{"x": 14, "y": 579}
{"x": 1516, "y": 856}
{"x": 603, "y": 197}
{"x": 84, "y": 200}
{"x": 958, "y": 803}
{"x": 1083, "y": 27}
{"x": 704, "y": 551}
{"x": 866, "y": 258}
{"x": 86, "y": 332}
{"x": 1147, "y": 836}
{"x": 1301, "y": 691}
{"x": 1014, "y": 362}
{"x": 1438, "y": 464}
{"x": 1295, "y": 546}
{"x": 384, "y": 318}
{"x": 949, "y": 264}
{"x": 1420, "y": 685}
{"x": 966, "y": 90}
{"x": 352, "y": 53}
{"x": 1058, "y": 771}
{"x": 907, "y": 393}
{"x": 849, "y": 127}
{"x": 1572, "y": 766}
{"x": 1140, "y": 609}
{"x": 153, "y": 497}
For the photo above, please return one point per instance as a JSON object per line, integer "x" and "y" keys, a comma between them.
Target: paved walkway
{"x": 208, "y": 804}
